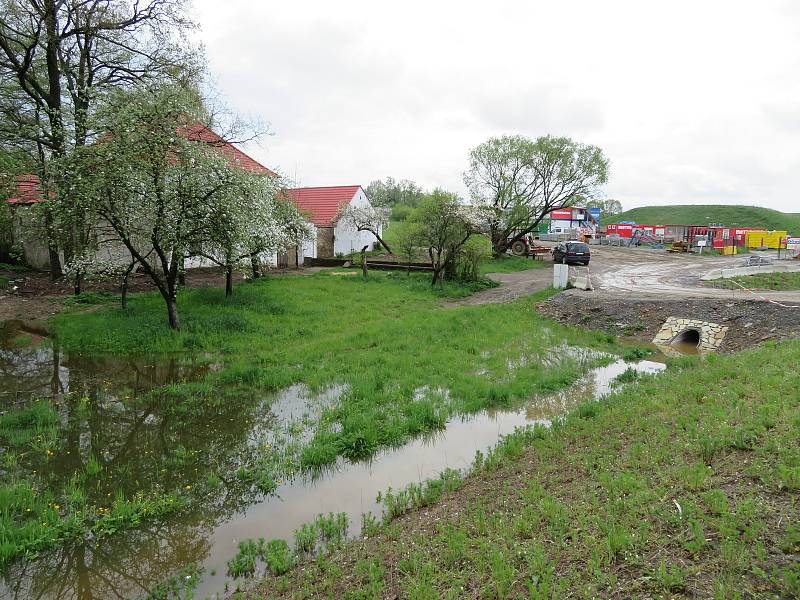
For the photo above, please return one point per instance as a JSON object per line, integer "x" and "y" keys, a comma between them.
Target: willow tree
{"x": 518, "y": 182}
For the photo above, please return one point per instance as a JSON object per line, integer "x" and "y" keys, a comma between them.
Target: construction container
{"x": 766, "y": 239}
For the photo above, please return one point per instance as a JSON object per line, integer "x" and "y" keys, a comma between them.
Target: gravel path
{"x": 633, "y": 273}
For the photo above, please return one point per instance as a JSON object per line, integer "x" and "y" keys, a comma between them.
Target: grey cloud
{"x": 361, "y": 90}
{"x": 537, "y": 110}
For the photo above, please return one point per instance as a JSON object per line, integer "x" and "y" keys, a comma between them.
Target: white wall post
{"x": 560, "y": 276}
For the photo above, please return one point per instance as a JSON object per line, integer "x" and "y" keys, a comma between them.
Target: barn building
{"x": 322, "y": 206}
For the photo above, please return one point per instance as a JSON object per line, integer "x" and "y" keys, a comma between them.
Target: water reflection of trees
{"x": 31, "y": 372}
{"x": 146, "y": 444}
{"x": 120, "y": 567}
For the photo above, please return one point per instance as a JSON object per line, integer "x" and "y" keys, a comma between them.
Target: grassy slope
{"x": 386, "y": 337}
{"x": 685, "y": 485}
{"x": 760, "y": 281}
{"x": 702, "y": 214}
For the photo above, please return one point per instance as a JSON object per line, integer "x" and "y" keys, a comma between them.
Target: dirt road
{"x": 634, "y": 273}
{"x": 655, "y": 273}
{"x": 635, "y": 290}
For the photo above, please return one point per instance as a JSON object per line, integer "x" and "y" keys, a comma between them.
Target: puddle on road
{"x": 137, "y": 443}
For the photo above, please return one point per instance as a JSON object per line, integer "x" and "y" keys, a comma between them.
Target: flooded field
{"x": 145, "y": 446}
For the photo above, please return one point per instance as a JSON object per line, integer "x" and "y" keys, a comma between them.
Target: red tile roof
{"x": 27, "y": 185}
{"x": 201, "y": 133}
{"x": 27, "y": 190}
{"x": 323, "y": 203}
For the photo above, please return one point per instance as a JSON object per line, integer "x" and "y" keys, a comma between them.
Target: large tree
{"x": 518, "y": 182}
{"x": 160, "y": 190}
{"x": 57, "y": 59}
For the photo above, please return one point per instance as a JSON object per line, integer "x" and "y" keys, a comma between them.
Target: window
{"x": 578, "y": 247}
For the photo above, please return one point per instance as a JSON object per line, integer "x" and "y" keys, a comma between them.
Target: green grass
{"x": 91, "y": 298}
{"x": 13, "y": 268}
{"x": 687, "y": 483}
{"x": 511, "y": 264}
{"x": 703, "y": 214}
{"x": 275, "y": 554}
{"x": 760, "y": 281}
{"x": 408, "y": 363}
{"x": 4, "y": 281}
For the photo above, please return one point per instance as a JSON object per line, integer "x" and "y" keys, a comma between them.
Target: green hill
{"x": 703, "y": 214}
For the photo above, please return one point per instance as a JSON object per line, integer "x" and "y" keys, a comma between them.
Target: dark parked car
{"x": 572, "y": 253}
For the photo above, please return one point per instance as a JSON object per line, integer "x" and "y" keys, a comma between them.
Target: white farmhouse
{"x": 322, "y": 206}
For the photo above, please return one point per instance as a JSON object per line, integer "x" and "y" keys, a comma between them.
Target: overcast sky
{"x": 692, "y": 101}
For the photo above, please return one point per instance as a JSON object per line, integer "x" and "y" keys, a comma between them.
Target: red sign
{"x": 564, "y": 213}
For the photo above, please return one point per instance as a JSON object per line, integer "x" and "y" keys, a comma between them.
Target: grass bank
{"x": 511, "y": 264}
{"x": 686, "y": 484}
{"x": 403, "y": 362}
{"x": 760, "y": 281}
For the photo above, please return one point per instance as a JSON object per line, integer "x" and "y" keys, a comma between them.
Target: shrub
{"x": 477, "y": 250}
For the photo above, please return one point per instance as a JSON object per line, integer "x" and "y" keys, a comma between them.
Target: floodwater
{"x": 31, "y": 366}
{"x": 148, "y": 446}
{"x": 678, "y": 348}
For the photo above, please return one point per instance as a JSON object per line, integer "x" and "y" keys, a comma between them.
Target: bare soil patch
{"x": 750, "y": 322}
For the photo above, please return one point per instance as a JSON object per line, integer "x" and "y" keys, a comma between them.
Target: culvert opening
{"x": 688, "y": 338}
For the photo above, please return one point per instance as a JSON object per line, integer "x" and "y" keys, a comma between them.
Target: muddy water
{"x": 150, "y": 447}
{"x": 31, "y": 367}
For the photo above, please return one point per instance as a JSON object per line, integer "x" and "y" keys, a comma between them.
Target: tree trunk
{"x": 52, "y": 247}
{"x": 78, "y": 283}
{"x": 172, "y": 311}
{"x": 54, "y": 116}
{"x": 500, "y": 247}
{"x": 382, "y": 243}
{"x": 438, "y": 272}
{"x": 123, "y": 300}
{"x": 228, "y": 281}
{"x": 255, "y": 266}
{"x": 364, "y": 267}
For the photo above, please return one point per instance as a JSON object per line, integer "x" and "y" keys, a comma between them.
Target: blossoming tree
{"x": 165, "y": 195}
